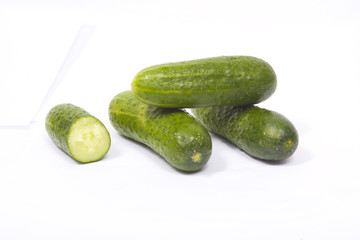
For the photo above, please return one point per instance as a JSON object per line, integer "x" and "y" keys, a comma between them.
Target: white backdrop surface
{"x": 85, "y": 52}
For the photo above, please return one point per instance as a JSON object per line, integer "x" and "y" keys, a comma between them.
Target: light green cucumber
{"x": 77, "y": 133}
{"x": 261, "y": 133}
{"x": 172, "y": 133}
{"x": 217, "y": 81}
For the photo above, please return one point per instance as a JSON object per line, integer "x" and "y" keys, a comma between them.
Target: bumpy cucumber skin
{"x": 217, "y": 81}
{"x": 58, "y": 125}
{"x": 174, "y": 134}
{"x": 261, "y": 133}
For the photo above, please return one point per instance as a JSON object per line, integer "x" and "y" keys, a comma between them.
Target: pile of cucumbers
{"x": 221, "y": 93}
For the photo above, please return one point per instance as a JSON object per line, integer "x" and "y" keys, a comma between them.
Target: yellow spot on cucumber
{"x": 196, "y": 157}
{"x": 289, "y": 144}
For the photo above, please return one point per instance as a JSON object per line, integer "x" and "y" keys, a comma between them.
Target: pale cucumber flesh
{"x": 88, "y": 139}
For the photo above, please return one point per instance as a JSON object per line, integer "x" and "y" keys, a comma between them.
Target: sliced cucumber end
{"x": 88, "y": 140}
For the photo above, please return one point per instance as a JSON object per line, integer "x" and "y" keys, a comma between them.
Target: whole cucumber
{"x": 261, "y": 133}
{"x": 77, "y": 133}
{"x": 218, "y": 81}
{"x": 174, "y": 134}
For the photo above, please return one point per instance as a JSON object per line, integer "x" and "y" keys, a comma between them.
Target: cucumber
{"x": 261, "y": 133}
{"x": 77, "y": 133}
{"x": 218, "y": 81}
{"x": 172, "y": 133}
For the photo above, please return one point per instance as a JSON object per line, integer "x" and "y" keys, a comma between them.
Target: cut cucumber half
{"x": 77, "y": 133}
{"x": 88, "y": 139}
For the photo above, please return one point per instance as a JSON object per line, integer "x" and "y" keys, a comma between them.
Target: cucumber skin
{"x": 217, "y": 81}
{"x": 59, "y": 121}
{"x": 172, "y": 133}
{"x": 261, "y": 133}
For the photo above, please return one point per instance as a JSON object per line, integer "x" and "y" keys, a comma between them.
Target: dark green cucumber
{"x": 174, "y": 134}
{"x": 218, "y": 81}
{"x": 261, "y": 133}
{"x": 77, "y": 133}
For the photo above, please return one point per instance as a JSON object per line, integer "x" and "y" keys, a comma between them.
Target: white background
{"x": 85, "y": 52}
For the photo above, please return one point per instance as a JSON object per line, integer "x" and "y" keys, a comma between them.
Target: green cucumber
{"x": 77, "y": 133}
{"x": 218, "y": 81}
{"x": 175, "y": 135}
{"x": 261, "y": 133}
